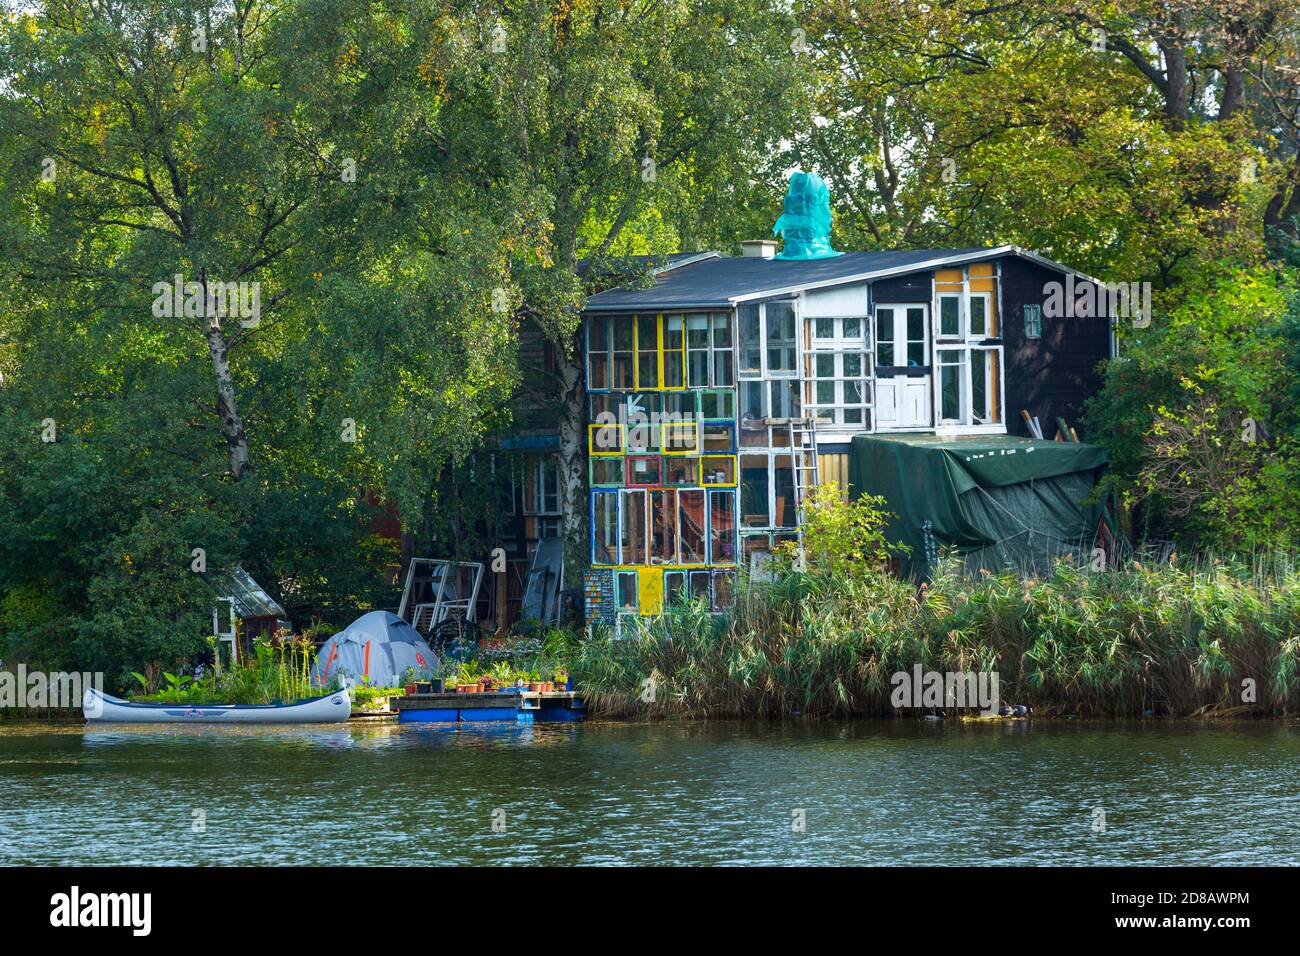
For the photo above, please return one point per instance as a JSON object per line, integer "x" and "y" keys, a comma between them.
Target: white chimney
{"x": 758, "y": 248}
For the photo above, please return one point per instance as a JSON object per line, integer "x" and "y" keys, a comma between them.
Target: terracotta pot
{"x": 547, "y": 687}
{"x": 534, "y": 686}
{"x": 478, "y": 688}
{"x": 410, "y": 689}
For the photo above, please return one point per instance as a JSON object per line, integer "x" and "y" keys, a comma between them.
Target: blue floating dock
{"x": 513, "y": 706}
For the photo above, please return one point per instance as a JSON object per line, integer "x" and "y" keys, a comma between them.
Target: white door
{"x": 903, "y": 372}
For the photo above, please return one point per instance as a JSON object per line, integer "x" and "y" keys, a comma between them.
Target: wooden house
{"x": 721, "y": 393}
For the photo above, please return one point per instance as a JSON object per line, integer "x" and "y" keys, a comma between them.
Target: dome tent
{"x": 376, "y": 648}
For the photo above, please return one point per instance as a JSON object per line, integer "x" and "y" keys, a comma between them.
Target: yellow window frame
{"x": 591, "y": 439}
{"x": 693, "y": 425}
{"x": 659, "y": 356}
{"x": 735, "y": 471}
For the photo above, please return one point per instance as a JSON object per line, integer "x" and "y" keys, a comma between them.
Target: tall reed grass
{"x": 1175, "y": 639}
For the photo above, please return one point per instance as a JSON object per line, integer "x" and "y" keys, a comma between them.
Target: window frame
{"x": 628, "y": 462}
{"x": 838, "y": 347}
{"x": 535, "y": 499}
{"x": 1034, "y": 310}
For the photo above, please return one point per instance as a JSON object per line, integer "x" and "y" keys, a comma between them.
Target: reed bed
{"x": 1170, "y": 639}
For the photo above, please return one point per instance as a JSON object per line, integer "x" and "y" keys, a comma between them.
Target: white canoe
{"x": 102, "y": 708}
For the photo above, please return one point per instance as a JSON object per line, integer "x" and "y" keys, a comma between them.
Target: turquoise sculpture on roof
{"x": 806, "y": 223}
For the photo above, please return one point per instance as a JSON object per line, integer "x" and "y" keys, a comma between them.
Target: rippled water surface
{"x": 871, "y": 792}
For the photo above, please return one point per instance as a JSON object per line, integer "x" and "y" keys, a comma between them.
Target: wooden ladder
{"x": 803, "y": 453}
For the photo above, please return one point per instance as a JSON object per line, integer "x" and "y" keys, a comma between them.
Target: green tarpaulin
{"x": 999, "y": 501}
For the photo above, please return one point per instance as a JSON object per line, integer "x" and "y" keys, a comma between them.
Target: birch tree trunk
{"x": 573, "y": 459}
{"x": 232, "y": 424}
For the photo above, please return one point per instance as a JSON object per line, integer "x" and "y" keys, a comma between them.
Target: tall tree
{"x": 619, "y": 118}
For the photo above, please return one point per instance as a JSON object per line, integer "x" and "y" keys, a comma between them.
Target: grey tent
{"x": 377, "y": 648}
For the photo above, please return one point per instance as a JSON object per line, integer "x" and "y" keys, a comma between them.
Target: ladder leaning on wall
{"x": 803, "y": 453}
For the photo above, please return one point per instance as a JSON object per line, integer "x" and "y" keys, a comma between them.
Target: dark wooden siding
{"x": 910, "y": 288}
{"x": 1054, "y": 375}
{"x": 533, "y": 405}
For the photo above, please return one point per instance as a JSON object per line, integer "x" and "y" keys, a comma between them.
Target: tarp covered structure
{"x": 999, "y": 501}
{"x": 806, "y": 223}
{"x": 377, "y": 648}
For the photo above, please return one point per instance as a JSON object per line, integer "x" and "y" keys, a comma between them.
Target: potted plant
{"x": 503, "y": 676}
{"x": 423, "y": 682}
{"x": 408, "y": 681}
{"x": 562, "y": 679}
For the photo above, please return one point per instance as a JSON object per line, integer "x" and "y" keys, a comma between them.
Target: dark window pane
{"x": 751, "y": 354}
{"x": 783, "y": 482}
{"x": 754, "y": 512}
{"x": 978, "y": 317}
{"x": 690, "y": 526}
{"x": 949, "y": 316}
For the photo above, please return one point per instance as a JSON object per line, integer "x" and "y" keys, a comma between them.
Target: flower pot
{"x": 534, "y": 686}
{"x": 410, "y": 689}
{"x": 547, "y": 687}
{"x": 437, "y": 686}
{"x": 423, "y": 687}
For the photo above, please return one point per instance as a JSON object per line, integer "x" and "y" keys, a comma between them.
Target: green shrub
{"x": 1176, "y": 638}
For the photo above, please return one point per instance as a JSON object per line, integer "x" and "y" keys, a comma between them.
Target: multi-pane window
{"x": 667, "y": 526}
{"x": 952, "y": 391}
{"x": 769, "y": 341}
{"x": 658, "y": 352}
{"x": 1033, "y": 321}
{"x": 782, "y": 344}
{"x": 647, "y": 351}
{"x": 951, "y": 316}
{"x": 715, "y": 588}
{"x": 710, "y": 358}
{"x": 542, "y": 487}
{"x": 623, "y": 341}
{"x": 604, "y": 527}
{"x": 767, "y": 490}
{"x": 606, "y": 471}
{"x": 985, "y": 386}
{"x": 900, "y": 336}
{"x": 645, "y": 471}
{"x": 691, "y": 526}
{"x": 674, "y": 349}
{"x": 663, "y": 526}
{"x": 632, "y": 527}
{"x": 970, "y": 386}
{"x": 722, "y": 526}
{"x": 839, "y": 366}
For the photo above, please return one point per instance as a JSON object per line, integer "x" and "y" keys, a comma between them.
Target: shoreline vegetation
{"x": 1212, "y": 638}
{"x": 827, "y": 628}
{"x": 832, "y": 624}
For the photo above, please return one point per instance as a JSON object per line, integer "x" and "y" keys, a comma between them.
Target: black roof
{"x": 714, "y": 283}
{"x": 633, "y": 265}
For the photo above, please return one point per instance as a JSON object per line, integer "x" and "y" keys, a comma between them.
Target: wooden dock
{"x": 514, "y": 706}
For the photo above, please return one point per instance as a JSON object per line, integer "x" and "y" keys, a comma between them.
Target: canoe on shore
{"x": 102, "y": 708}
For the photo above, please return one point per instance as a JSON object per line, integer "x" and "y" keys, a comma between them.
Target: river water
{"x": 862, "y": 792}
